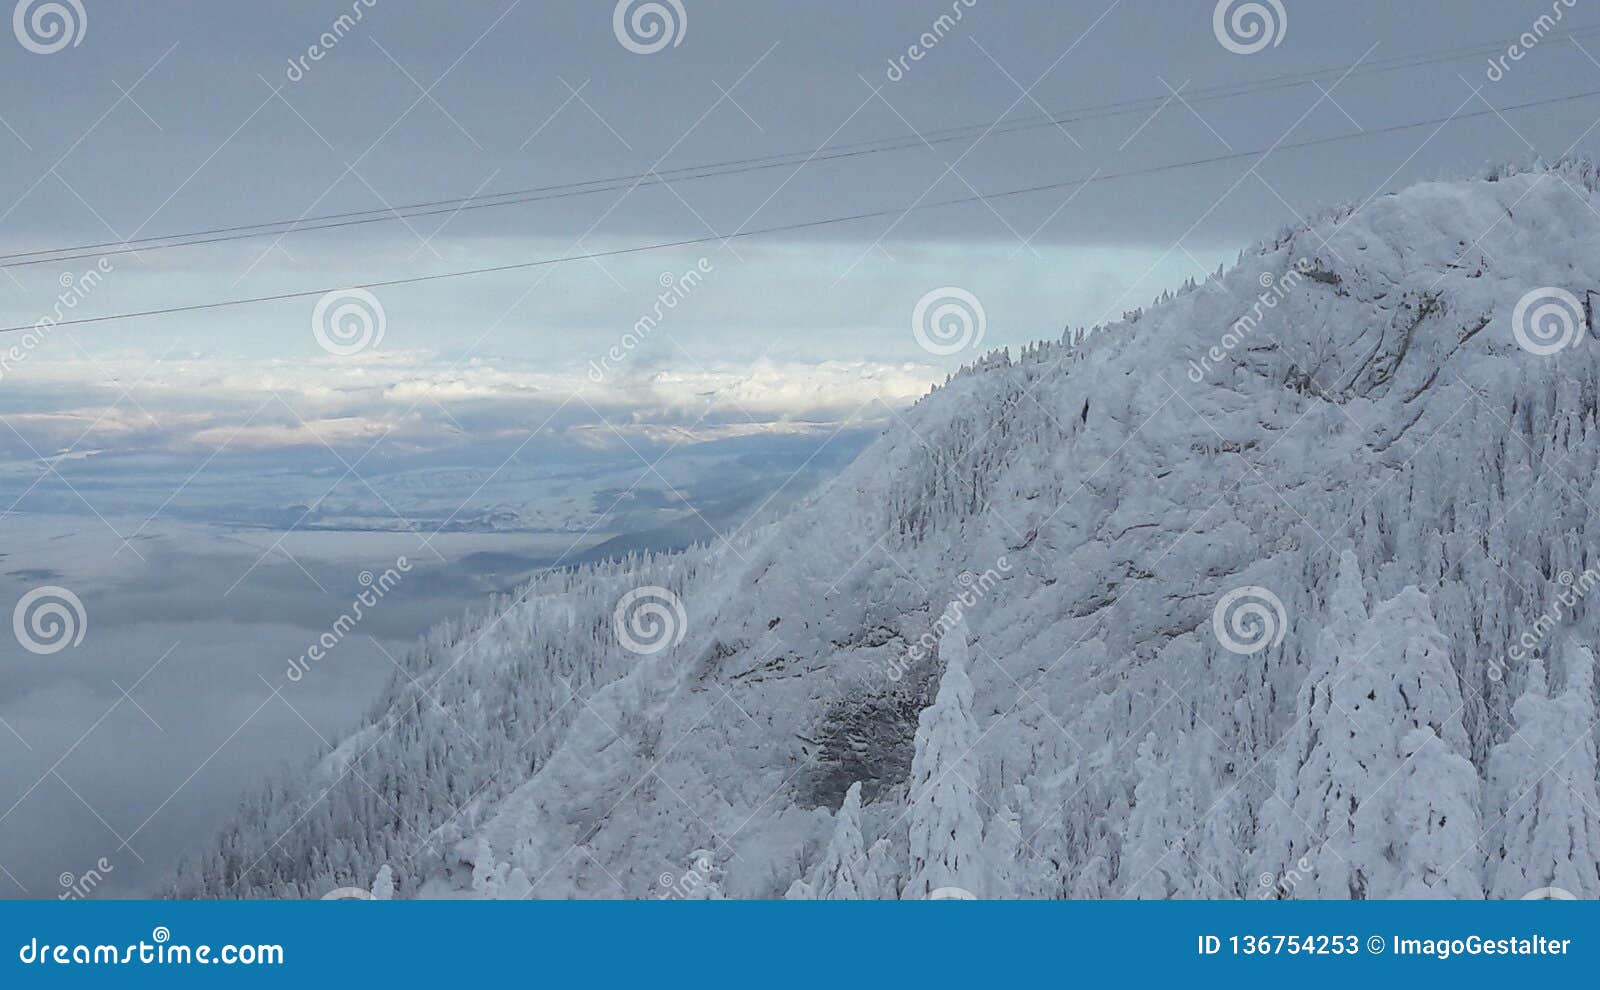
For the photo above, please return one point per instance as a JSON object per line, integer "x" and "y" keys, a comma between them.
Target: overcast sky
{"x": 172, "y": 116}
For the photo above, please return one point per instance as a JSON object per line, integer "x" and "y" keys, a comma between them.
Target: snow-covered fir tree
{"x": 842, "y": 873}
{"x": 1179, "y": 843}
{"x": 1542, "y": 787}
{"x": 1386, "y": 709}
{"x": 946, "y": 832}
{"x": 383, "y": 884}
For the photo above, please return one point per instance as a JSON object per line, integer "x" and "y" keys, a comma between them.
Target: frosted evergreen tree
{"x": 1385, "y": 709}
{"x": 946, "y": 829}
{"x": 383, "y": 884}
{"x": 1093, "y": 882}
{"x": 841, "y": 874}
{"x": 1180, "y": 841}
{"x": 483, "y": 869}
{"x": 517, "y": 886}
{"x": 883, "y": 875}
{"x": 1002, "y": 853}
{"x": 1420, "y": 820}
{"x": 1154, "y": 857}
{"x": 1315, "y": 773}
{"x": 1432, "y": 822}
{"x": 1550, "y": 836}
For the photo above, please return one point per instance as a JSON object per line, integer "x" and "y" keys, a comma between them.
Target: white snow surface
{"x": 1086, "y": 506}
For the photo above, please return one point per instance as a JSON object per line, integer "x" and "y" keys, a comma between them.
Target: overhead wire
{"x": 694, "y": 173}
{"x": 805, "y": 225}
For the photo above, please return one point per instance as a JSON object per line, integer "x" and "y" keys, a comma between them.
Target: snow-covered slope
{"x": 1188, "y": 607}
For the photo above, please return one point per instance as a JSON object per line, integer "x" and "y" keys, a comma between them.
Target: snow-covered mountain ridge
{"x": 1275, "y": 589}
